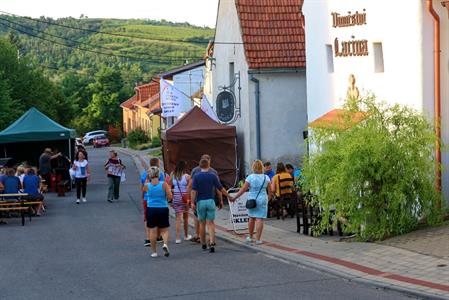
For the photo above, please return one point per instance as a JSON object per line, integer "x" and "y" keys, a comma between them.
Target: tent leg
{"x": 70, "y": 151}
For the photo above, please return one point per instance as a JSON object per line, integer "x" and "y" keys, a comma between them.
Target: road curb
{"x": 222, "y": 234}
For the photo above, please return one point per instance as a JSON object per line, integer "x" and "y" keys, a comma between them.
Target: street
{"x": 95, "y": 251}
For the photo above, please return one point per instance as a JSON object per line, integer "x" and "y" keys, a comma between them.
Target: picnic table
{"x": 16, "y": 204}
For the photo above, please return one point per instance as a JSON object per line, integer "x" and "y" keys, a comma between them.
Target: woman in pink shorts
{"x": 180, "y": 180}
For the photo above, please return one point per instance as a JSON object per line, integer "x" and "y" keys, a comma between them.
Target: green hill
{"x": 87, "y": 66}
{"x": 155, "y": 46}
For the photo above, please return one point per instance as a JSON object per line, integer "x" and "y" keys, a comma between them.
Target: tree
{"x": 379, "y": 175}
{"x": 104, "y": 108}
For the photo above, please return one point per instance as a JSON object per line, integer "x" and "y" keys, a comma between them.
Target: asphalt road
{"x": 95, "y": 251}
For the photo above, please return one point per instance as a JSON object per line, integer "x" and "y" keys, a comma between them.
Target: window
{"x": 231, "y": 74}
{"x": 330, "y": 59}
{"x": 378, "y": 58}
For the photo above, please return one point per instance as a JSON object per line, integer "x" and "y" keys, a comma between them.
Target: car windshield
{"x": 100, "y": 137}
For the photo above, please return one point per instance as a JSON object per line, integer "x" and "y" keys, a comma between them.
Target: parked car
{"x": 101, "y": 141}
{"x": 88, "y": 137}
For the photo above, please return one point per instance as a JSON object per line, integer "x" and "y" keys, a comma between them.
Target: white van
{"x": 88, "y": 137}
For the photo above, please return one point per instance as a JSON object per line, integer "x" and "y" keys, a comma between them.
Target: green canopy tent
{"x": 33, "y": 132}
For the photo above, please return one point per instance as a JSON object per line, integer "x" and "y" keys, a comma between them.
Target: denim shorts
{"x": 206, "y": 210}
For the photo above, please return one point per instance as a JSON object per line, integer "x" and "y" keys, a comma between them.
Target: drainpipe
{"x": 257, "y": 92}
{"x": 437, "y": 89}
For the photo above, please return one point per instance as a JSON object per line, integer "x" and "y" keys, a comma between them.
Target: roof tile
{"x": 272, "y": 33}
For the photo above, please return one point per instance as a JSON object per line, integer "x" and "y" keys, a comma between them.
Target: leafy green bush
{"x": 156, "y": 142}
{"x": 379, "y": 175}
{"x": 136, "y": 137}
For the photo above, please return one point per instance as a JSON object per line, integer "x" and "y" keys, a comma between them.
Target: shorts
{"x": 157, "y": 217}
{"x": 206, "y": 210}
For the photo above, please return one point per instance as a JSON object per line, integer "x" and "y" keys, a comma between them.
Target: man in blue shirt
{"x": 203, "y": 186}
{"x": 268, "y": 170}
{"x": 11, "y": 183}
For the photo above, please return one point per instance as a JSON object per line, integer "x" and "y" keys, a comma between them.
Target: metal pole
{"x": 257, "y": 82}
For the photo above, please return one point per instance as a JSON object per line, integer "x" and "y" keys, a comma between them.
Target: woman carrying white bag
{"x": 116, "y": 174}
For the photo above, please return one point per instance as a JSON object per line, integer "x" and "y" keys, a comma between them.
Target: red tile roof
{"x": 146, "y": 91}
{"x": 339, "y": 119}
{"x": 129, "y": 103}
{"x": 273, "y": 33}
{"x": 144, "y": 96}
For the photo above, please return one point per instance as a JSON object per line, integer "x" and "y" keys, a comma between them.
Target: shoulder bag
{"x": 184, "y": 196}
{"x": 252, "y": 203}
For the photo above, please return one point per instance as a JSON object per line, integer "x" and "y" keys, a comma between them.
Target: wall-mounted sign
{"x": 349, "y": 19}
{"x": 225, "y": 106}
{"x": 350, "y": 48}
{"x": 353, "y": 47}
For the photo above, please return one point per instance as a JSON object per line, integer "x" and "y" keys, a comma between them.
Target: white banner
{"x": 207, "y": 108}
{"x": 239, "y": 213}
{"x": 173, "y": 101}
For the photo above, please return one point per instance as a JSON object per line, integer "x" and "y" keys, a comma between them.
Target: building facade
{"x": 388, "y": 47}
{"x": 260, "y": 48}
{"x": 138, "y": 111}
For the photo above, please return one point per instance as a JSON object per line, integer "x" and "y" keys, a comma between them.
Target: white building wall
{"x": 283, "y": 112}
{"x": 405, "y": 29}
{"x": 228, "y": 30}
{"x": 402, "y": 79}
{"x": 283, "y": 116}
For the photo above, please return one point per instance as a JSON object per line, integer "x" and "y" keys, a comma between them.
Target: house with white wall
{"x": 259, "y": 57}
{"x": 397, "y": 50}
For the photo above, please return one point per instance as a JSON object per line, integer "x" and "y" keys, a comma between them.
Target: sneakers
{"x": 147, "y": 243}
{"x": 178, "y": 242}
{"x": 160, "y": 239}
{"x": 77, "y": 201}
{"x": 165, "y": 249}
{"x": 212, "y": 248}
{"x": 249, "y": 240}
{"x": 188, "y": 238}
{"x": 84, "y": 200}
{"x": 154, "y": 254}
{"x": 204, "y": 247}
{"x": 109, "y": 200}
{"x": 259, "y": 242}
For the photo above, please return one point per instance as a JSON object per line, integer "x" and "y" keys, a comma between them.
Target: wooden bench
{"x": 16, "y": 205}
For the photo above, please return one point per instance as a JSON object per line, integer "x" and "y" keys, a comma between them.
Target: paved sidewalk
{"x": 379, "y": 264}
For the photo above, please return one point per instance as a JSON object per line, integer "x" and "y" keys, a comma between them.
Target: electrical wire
{"x": 100, "y": 47}
{"x": 115, "y": 34}
{"x": 93, "y": 51}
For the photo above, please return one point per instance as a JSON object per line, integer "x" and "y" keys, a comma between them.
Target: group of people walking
{"x": 200, "y": 191}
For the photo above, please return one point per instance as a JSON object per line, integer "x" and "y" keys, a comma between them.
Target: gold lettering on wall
{"x": 350, "y": 48}
{"x": 348, "y": 20}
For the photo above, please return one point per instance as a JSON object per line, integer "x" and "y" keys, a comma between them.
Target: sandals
{"x": 195, "y": 239}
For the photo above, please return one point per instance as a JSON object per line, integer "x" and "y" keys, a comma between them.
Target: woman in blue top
{"x": 257, "y": 184}
{"x": 157, "y": 195}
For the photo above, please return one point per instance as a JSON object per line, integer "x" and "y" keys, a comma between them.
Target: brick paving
{"x": 429, "y": 241}
{"x": 416, "y": 262}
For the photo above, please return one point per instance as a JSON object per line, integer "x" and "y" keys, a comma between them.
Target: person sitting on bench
{"x": 11, "y": 183}
{"x": 31, "y": 184}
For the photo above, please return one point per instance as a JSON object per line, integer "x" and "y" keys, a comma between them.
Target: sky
{"x": 197, "y": 12}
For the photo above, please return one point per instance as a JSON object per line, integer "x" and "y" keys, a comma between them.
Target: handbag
{"x": 252, "y": 203}
{"x": 184, "y": 196}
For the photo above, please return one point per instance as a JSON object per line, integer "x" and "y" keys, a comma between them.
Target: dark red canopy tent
{"x": 196, "y": 134}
